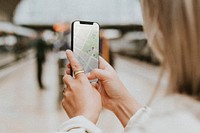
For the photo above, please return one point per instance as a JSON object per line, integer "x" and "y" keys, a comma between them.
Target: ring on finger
{"x": 78, "y": 72}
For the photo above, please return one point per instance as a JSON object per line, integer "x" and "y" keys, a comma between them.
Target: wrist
{"x": 91, "y": 116}
{"x": 125, "y": 109}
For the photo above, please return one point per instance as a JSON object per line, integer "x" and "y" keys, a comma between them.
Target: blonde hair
{"x": 177, "y": 39}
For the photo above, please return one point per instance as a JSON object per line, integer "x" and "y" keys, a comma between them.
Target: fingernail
{"x": 67, "y": 50}
{"x": 87, "y": 74}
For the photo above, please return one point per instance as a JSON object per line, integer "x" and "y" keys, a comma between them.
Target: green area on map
{"x": 91, "y": 47}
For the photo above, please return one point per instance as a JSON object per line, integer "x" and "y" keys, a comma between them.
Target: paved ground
{"x": 24, "y": 108}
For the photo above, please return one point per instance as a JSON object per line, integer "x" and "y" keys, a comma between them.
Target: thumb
{"x": 97, "y": 73}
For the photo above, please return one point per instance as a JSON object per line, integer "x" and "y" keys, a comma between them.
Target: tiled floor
{"x": 24, "y": 108}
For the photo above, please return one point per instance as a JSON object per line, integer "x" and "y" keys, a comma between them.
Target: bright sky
{"x": 107, "y": 12}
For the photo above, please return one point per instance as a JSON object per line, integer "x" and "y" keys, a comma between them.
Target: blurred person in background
{"x": 40, "y": 46}
{"x": 172, "y": 28}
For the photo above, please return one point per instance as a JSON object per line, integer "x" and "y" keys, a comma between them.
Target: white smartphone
{"x": 85, "y": 44}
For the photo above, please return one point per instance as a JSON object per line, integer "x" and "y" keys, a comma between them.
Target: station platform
{"x": 25, "y": 108}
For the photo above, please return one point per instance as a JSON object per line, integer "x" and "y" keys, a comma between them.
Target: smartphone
{"x": 85, "y": 44}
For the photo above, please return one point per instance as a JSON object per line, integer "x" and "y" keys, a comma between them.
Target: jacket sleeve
{"x": 78, "y": 124}
{"x": 138, "y": 118}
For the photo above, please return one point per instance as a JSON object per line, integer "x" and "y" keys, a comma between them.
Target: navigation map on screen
{"x": 86, "y": 45}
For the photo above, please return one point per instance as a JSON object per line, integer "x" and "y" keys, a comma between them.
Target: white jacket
{"x": 172, "y": 114}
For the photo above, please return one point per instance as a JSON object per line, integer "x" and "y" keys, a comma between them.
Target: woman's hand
{"x": 115, "y": 96}
{"x": 80, "y": 97}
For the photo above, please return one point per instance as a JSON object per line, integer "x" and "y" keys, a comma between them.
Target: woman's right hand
{"x": 109, "y": 85}
{"x": 114, "y": 94}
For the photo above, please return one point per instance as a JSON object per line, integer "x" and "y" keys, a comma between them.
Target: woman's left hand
{"x": 80, "y": 97}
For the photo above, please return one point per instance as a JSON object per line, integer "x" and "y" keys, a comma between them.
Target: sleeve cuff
{"x": 140, "y": 116}
{"x": 79, "y": 123}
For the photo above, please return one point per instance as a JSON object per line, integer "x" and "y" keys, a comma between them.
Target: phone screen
{"x": 85, "y": 44}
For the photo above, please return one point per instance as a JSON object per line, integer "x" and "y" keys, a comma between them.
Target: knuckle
{"x": 63, "y": 102}
{"x": 68, "y": 69}
{"x": 82, "y": 76}
{"x": 76, "y": 66}
{"x": 66, "y": 95}
{"x": 72, "y": 85}
{"x": 64, "y": 77}
{"x": 82, "y": 81}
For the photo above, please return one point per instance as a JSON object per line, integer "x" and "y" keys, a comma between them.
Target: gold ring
{"x": 78, "y": 71}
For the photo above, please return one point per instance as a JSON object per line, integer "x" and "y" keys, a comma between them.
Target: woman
{"x": 172, "y": 28}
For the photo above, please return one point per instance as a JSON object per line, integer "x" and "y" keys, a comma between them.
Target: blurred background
{"x": 34, "y": 35}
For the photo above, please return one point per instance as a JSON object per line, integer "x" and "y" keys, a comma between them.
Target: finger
{"x": 63, "y": 91}
{"x": 74, "y": 63}
{"x": 94, "y": 84}
{"x": 67, "y": 79}
{"x": 68, "y": 65}
{"x": 98, "y": 87}
{"x": 99, "y": 74}
{"x": 103, "y": 63}
{"x": 68, "y": 71}
{"x": 66, "y": 89}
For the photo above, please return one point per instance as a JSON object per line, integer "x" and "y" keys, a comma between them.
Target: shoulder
{"x": 174, "y": 122}
{"x": 173, "y": 114}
